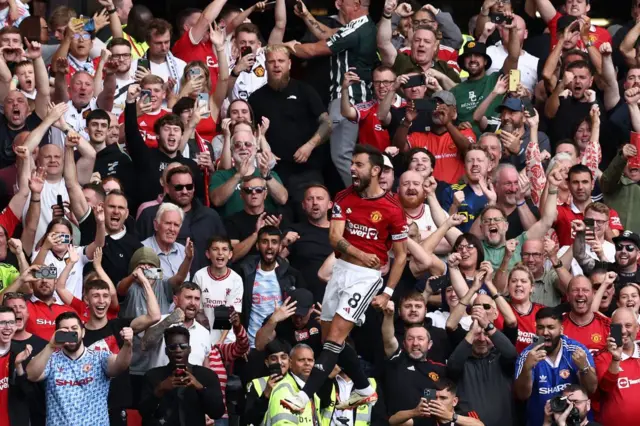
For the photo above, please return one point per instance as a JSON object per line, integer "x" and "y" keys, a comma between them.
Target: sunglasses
{"x": 175, "y": 346}
{"x": 628, "y": 247}
{"x": 254, "y": 189}
{"x": 485, "y": 306}
{"x": 188, "y": 187}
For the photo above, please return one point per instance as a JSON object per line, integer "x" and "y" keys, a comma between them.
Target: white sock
{"x": 365, "y": 392}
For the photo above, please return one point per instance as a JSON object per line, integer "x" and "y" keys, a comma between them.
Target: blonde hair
{"x": 521, "y": 267}
{"x": 281, "y": 48}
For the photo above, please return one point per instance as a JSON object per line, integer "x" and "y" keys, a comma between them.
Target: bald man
{"x": 550, "y": 281}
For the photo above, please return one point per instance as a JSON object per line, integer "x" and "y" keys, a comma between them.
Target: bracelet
{"x": 463, "y": 304}
{"x": 585, "y": 370}
{"x": 552, "y": 191}
{"x": 110, "y": 11}
{"x": 388, "y": 290}
{"x": 495, "y": 296}
{"x": 233, "y": 74}
{"x": 34, "y": 201}
{"x": 521, "y": 204}
{"x": 384, "y": 15}
{"x": 504, "y": 271}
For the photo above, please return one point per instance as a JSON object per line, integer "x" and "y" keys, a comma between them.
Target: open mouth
{"x": 114, "y": 221}
{"x": 493, "y": 231}
{"x": 355, "y": 179}
{"x": 101, "y": 309}
{"x": 581, "y": 303}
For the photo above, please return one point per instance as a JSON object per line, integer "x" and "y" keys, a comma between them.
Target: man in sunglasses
{"x": 626, "y": 264}
{"x": 243, "y": 226}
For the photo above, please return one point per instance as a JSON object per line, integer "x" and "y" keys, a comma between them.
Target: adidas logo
{"x": 142, "y": 123}
{"x": 543, "y": 378}
{"x": 319, "y": 367}
{"x": 206, "y": 290}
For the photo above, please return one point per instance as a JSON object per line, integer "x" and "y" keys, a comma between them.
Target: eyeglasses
{"x": 254, "y": 189}
{"x": 599, "y": 222}
{"x": 14, "y": 295}
{"x": 82, "y": 36}
{"x": 121, "y": 56}
{"x": 463, "y": 247}
{"x": 534, "y": 255}
{"x": 7, "y": 324}
{"x": 239, "y": 145}
{"x": 188, "y": 187}
{"x": 628, "y": 247}
{"x": 490, "y": 220}
{"x": 382, "y": 82}
{"x": 485, "y": 306}
{"x": 418, "y": 22}
{"x": 175, "y": 346}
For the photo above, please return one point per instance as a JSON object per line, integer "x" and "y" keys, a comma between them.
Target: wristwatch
{"x": 267, "y": 177}
{"x": 489, "y": 327}
{"x": 454, "y": 418}
{"x": 558, "y": 265}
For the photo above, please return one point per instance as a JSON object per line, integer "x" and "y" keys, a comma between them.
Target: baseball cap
{"x": 474, "y": 47}
{"x": 387, "y": 161}
{"x": 304, "y": 299}
{"x": 144, "y": 255}
{"x": 514, "y": 104}
{"x": 445, "y": 96}
{"x": 628, "y": 236}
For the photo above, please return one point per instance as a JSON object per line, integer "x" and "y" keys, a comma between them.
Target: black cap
{"x": 477, "y": 48}
{"x": 628, "y": 236}
{"x": 304, "y": 299}
{"x": 564, "y": 21}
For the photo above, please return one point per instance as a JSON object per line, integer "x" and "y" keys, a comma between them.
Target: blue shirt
{"x": 550, "y": 380}
{"x": 266, "y": 291}
{"x": 76, "y": 390}
{"x": 470, "y": 207}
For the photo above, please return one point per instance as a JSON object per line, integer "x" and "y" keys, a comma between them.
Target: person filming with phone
{"x": 180, "y": 393}
{"x": 77, "y": 378}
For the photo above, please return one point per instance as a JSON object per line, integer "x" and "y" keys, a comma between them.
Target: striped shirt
{"x": 227, "y": 353}
{"x": 353, "y": 46}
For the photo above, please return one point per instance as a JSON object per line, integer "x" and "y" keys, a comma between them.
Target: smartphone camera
{"x": 275, "y": 369}
{"x": 246, "y": 50}
{"x": 500, "y": 18}
{"x": 145, "y": 94}
{"x": 429, "y": 394}
{"x": 46, "y": 273}
{"x": 153, "y": 273}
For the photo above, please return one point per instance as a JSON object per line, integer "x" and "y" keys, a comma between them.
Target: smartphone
{"x": 499, "y": 18}
{"x": 66, "y": 238}
{"x": 415, "y": 80}
{"x": 536, "y": 340}
{"x": 246, "y": 50}
{"x": 66, "y": 336}
{"x": 429, "y": 394}
{"x": 438, "y": 284}
{"x": 145, "y": 94}
{"x": 81, "y": 20}
{"x": 590, "y": 224}
{"x": 221, "y": 318}
{"x": 60, "y": 203}
{"x": 203, "y": 102}
{"x": 275, "y": 369}
{"x": 180, "y": 370}
{"x": 144, "y": 63}
{"x": 89, "y": 25}
{"x": 616, "y": 333}
{"x": 514, "y": 80}
{"x": 153, "y": 273}
{"x": 425, "y": 104}
{"x": 528, "y": 106}
{"x": 195, "y": 72}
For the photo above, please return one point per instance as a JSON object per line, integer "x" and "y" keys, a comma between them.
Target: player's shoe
{"x": 356, "y": 400}
{"x": 294, "y": 403}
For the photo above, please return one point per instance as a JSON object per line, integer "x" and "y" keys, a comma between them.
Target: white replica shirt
{"x": 249, "y": 82}
{"x": 527, "y": 64}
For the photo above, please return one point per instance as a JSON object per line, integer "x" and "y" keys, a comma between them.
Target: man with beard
{"x": 409, "y": 371}
{"x": 482, "y": 366}
{"x": 626, "y": 265}
{"x": 308, "y": 252}
{"x": 267, "y": 279}
{"x": 578, "y": 399}
{"x": 162, "y": 62}
{"x": 470, "y": 94}
{"x": 618, "y": 402}
{"x": 103, "y": 334}
{"x": 444, "y": 140}
{"x": 224, "y": 187}
{"x": 77, "y": 378}
{"x": 371, "y": 128}
{"x": 299, "y": 125}
{"x": 199, "y": 224}
{"x": 149, "y": 162}
{"x": 243, "y": 226}
{"x": 110, "y": 160}
{"x": 366, "y": 223}
{"x": 544, "y": 369}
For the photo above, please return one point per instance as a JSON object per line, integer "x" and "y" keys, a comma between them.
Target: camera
{"x": 559, "y": 404}
{"x": 46, "y": 272}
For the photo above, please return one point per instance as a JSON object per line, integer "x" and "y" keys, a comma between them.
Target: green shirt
{"x": 234, "y": 203}
{"x": 545, "y": 291}
{"x": 8, "y": 274}
{"x": 470, "y": 94}
{"x": 496, "y": 254}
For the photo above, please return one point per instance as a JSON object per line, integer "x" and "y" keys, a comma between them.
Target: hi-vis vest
{"x": 362, "y": 416}
{"x": 280, "y": 416}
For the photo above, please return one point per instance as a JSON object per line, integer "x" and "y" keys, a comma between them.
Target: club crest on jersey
{"x": 376, "y": 216}
{"x": 564, "y": 374}
{"x": 596, "y": 337}
{"x": 259, "y": 71}
{"x": 87, "y": 367}
{"x": 434, "y": 376}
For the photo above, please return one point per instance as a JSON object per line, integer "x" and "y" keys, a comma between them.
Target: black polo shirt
{"x": 406, "y": 381}
{"x": 7, "y": 135}
{"x": 293, "y": 114}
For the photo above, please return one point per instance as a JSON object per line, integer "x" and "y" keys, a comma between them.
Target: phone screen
{"x": 144, "y": 63}
{"x": 616, "y": 333}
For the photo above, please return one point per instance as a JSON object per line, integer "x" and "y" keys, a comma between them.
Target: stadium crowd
{"x": 423, "y": 227}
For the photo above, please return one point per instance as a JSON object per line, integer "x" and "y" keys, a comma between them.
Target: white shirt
{"x": 162, "y": 70}
{"x": 439, "y": 320}
{"x": 608, "y": 248}
{"x": 120, "y": 101}
{"x": 74, "y": 282}
{"x": 249, "y": 82}
{"x": 198, "y": 339}
{"x": 424, "y": 221}
{"x": 48, "y": 198}
{"x": 226, "y": 290}
{"x": 527, "y": 64}
{"x": 75, "y": 117}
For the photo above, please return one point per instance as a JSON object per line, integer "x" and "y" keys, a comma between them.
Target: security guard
{"x": 359, "y": 417}
{"x": 302, "y": 361}
{"x": 259, "y": 390}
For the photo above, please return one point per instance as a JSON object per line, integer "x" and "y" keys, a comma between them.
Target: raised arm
{"x": 451, "y": 34}
{"x": 154, "y": 335}
{"x": 480, "y": 114}
{"x": 208, "y": 16}
{"x": 611, "y": 90}
{"x": 347, "y": 110}
{"x": 550, "y": 210}
{"x": 267, "y": 332}
{"x": 439, "y": 215}
{"x": 546, "y": 9}
{"x": 277, "y": 33}
{"x": 60, "y": 69}
{"x": 594, "y": 53}
{"x": 388, "y": 53}
{"x": 219, "y": 95}
{"x": 276, "y": 190}
{"x": 118, "y": 364}
{"x": 384, "y": 110}
{"x": 107, "y": 96}
{"x": 318, "y": 29}
{"x": 389, "y": 341}
{"x": 183, "y": 271}
{"x": 153, "y": 315}
{"x": 38, "y": 364}
{"x": 43, "y": 94}
{"x": 469, "y": 293}
{"x": 553, "y": 103}
{"x": 627, "y": 47}
{"x": 550, "y": 68}
{"x": 114, "y": 20}
{"x": 513, "y": 47}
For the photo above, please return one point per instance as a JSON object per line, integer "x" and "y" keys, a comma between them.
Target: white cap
{"x": 387, "y": 162}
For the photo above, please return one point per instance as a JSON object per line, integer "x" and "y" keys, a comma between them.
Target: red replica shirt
{"x": 593, "y": 335}
{"x": 145, "y": 124}
{"x": 373, "y": 224}
{"x": 42, "y": 317}
{"x": 4, "y": 389}
{"x": 449, "y": 162}
{"x": 597, "y": 35}
{"x": 82, "y": 309}
{"x": 189, "y": 51}
{"x": 526, "y": 326}
{"x": 370, "y": 130}
{"x": 620, "y": 392}
{"x": 567, "y": 213}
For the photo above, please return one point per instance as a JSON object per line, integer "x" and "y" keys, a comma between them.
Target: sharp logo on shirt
{"x": 81, "y": 382}
{"x": 361, "y": 231}
{"x": 378, "y": 127}
{"x": 625, "y": 382}
{"x": 596, "y": 337}
{"x": 564, "y": 374}
{"x": 553, "y": 390}
{"x": 42, "y": 321}
{"x": 376, "y": 216}
{"x": 542, "y": 379}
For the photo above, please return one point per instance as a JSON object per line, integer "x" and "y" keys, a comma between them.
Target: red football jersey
{"x": 620, "y": 392}
{"x": 593, "y": 335}
{"x": 597, "y": 35}
{"x": 526, "y": 326}
{"x": 145, "y": 125}
{"x": 372, "y": 224}
{"x": 189, "y": 51}
{"x": 370, "y": 130}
